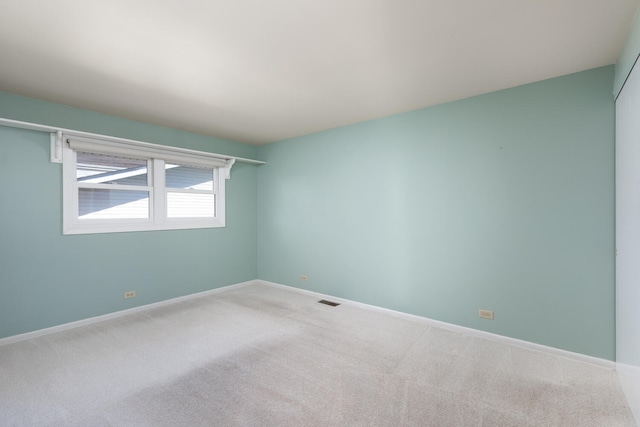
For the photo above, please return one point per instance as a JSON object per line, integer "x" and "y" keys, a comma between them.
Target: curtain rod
{"x": 57, "y": 130}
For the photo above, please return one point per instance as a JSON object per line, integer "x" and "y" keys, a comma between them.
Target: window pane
{"x": 112, "y": 204}
{"x": 188, "y": 205}
{"x": 104, "y": 169}
{"x": 189, "y": 177}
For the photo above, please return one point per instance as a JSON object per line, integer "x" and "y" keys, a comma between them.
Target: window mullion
{"x": 219, "y": 201}
{"x": 70, "y": 189}
{"x": 159, "y": 192}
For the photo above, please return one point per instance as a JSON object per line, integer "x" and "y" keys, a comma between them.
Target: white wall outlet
{"x": 486, "y": 314}
{"x": 130, "y": 294}
{"x": 303, "y": 277}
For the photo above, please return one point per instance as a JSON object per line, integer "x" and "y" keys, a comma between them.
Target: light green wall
{"x": 628, "y": 56}
{"x": 48, "y": 279}
{"x": 502, "y": 202}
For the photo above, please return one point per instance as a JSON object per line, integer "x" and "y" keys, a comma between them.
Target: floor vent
{"x": 331, "y": 303}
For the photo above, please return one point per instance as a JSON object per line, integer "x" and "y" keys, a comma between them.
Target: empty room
{"x": 319, "y": 213}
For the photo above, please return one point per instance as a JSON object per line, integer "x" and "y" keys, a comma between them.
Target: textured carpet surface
{"x": 264, "y": 356}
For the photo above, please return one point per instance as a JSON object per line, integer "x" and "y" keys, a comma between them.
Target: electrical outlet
{"x": 303, "y": 277}
{"x": 486, "y": 314}
{"x": 130, "y": 294}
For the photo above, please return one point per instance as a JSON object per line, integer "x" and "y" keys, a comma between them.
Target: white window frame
{"x": 156, "y": 156}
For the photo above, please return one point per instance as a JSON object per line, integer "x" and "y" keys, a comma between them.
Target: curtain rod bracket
{"x": 56, "y": 147}
{"x": 227, "y": 169}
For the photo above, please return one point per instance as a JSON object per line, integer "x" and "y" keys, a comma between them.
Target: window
{"x": 112, "y": 186}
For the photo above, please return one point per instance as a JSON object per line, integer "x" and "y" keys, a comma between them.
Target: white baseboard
{"x": 96, "y": 319}
{"x": 461, "y": 329}
{"x": 443, "y": 325}
{"x": 630, "y": 379}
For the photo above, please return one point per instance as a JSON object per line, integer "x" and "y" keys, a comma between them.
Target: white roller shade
{"x": 144, "y": 150}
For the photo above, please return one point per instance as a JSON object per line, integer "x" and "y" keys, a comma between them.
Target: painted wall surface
{"x": 48, "y": 279}
{"x": 501, "y": 202}
{"x": 628, "y": 56}
{"x": 628, "y": 238}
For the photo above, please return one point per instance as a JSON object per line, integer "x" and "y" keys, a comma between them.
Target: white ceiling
{"x": 259, "y": 71}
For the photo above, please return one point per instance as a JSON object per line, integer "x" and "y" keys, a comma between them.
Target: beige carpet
{"x": 263, "y": 356}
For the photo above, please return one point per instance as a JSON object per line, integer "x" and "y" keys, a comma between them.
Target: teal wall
{"x": 502, "y": 202}
{"x": 628, "y": 56}
{"x": 47, "y": 279}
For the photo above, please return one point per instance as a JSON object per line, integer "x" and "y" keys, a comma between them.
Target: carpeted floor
{"x": 264, "y": 356}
